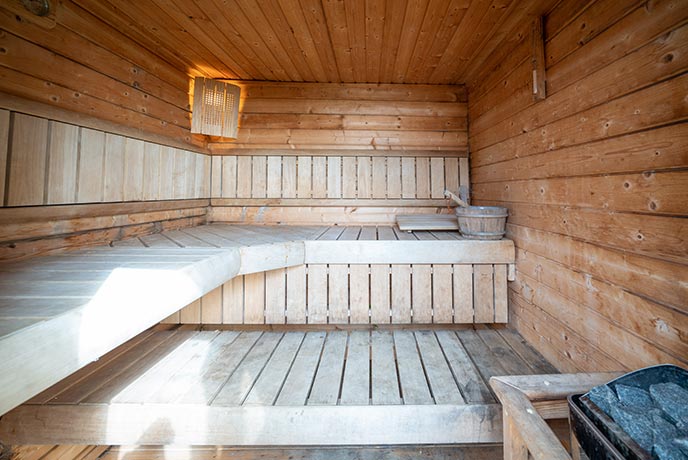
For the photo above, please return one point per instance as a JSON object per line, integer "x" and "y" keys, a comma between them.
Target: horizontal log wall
{"x": 595, "y": 177}
{"x": 340, "y": 153}
{"x": 72, "y": 60}
{"x": 64, "y": 185}
{"x": 357, "y": 294}
{"x": 350, "y": 116}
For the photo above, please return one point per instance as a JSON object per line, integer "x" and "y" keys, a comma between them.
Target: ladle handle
{"x": 459, "y": 201}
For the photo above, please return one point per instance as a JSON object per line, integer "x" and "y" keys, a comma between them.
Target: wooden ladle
{"x": 462, "y": 200}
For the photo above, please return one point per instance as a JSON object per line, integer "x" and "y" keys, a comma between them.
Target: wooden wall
{"x": 595, "y": 177}
{"x": 74, "y": 185}
{"x": 73, "y": 60}
{"x": 357, "y": 294}
{"x": 338, "y": 153}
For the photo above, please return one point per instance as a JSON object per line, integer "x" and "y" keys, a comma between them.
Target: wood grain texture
{"x": 542, "y": 152}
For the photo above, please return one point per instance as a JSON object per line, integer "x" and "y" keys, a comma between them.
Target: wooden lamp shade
{"x": 215, "y": 108}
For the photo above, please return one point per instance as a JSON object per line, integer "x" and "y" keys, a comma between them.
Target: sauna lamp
{"x": 215, "y": 108}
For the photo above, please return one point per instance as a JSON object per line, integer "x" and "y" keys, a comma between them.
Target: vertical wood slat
{"x": 258, "y": 177}
{"x": 380, "y": 294}
{"x": 463, "y": 173}
{"x": 296, "y": 295}
{"x": 244, "y": 173}
{"x": 401, "y": 294}
{"x": 442, "y": 301}
{"x": 216, "y": 179}
{"x": 178, "y": 182}
{"x": 304, "y": 171}
{"x": 364, "y": 178}
{"x": 349, "y": 176}
{"x": 275, "y": 296}
{"x": 334, "y": 177}
{"x": 319, "y": 177}
{"x": 422, "y": 177}
{"x": 233, "y": 301}
{"x": 190, "y": 173}
{"x": 379, "y": 178}
{"x": 463, "y": 294}
{"x": 254, "y": 298}
{"x": 28, "y": 160}
{"x": 91, "y": 157}
{"x": 408, "y": 177}
{"x": 205, "y": 183}
{"x": 289, "y": 177}
{"x": 421, "y": 293}
{"x": 500, "y": 294}
{"x": 113, "y": 188}
{"x": 393, "y": 177}
{"x": 151, "y": 170}
{"x": 211, "y": 307}
{"x": 191, "y": 314}
{"x": 359, "y": 293}
{"x": 166, "y": 173}
{"x": 437, "y": 181}
{"x": 228, "y": 177}
{"x": 134, "y": 154}
{"x": 62, "y": 163}
{"x": 317, "y": 294}
{"x": 4, "y": 146}
{"x": 451, "y": 174}
{"x": 338, "y": 293}
{"x": 274, "y": 183}
{"x": 483, "y": 293}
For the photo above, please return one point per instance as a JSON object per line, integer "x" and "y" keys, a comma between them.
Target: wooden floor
{"x": 432, "y": 375}
{"x": 297, "y": 368}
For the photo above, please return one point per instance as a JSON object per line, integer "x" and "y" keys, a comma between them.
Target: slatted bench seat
{"x": 285, "y": 386}
{"x": 59, "y": 313}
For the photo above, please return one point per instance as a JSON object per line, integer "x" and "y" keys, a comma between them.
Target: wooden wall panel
{"x": 119, "y": 80}
{"x": 312, "y": 116}
{"x": 331, "y": 187}
{"x": 50, "y": 162}
{"x": 595, "y": 177}
{"x": 358, "y": 294}
{"x": 81, "y": 186}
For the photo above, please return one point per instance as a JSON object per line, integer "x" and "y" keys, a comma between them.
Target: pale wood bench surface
{"x": 59, "y": 313}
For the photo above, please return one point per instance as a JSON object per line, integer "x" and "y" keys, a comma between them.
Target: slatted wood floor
{"x": 428, "y": 384}
{"x": 300, "y": 368}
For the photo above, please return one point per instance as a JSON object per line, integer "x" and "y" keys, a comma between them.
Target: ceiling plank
{"x": 335, "y": 13}
{"x": 297, "y": 23}
{"x": 413, "y": 19}
{"x": 278, "y": 22}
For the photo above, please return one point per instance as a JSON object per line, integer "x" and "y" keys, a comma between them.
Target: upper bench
{"x": 59, "y": 313}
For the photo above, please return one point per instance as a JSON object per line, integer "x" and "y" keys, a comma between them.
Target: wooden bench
{"x": 60, "y": 313}
{"x": 528, "y": 401}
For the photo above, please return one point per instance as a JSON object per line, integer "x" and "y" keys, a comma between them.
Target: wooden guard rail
{"x": 528, "y": 401}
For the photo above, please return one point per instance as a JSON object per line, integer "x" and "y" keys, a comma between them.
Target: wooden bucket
{"x": 482, "y": 222}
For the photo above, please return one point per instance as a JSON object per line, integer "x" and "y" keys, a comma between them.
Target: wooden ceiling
{"x": 361, "y": 41}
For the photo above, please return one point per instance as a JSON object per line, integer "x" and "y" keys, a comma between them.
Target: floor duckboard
{"x": 330, "y": 387}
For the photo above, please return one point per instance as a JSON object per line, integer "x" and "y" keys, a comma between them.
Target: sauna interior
{"x": 172, "y": 291}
